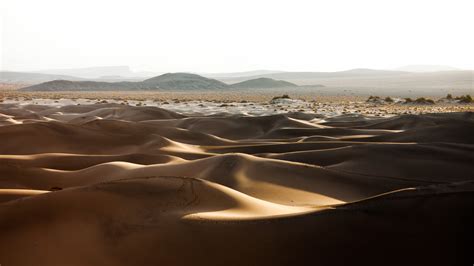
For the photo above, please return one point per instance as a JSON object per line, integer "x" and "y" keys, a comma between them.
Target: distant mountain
{"x": 299, "y": 76}
{"x": 169, "y": 81}
{"x": 184, "y": 81}
{"x": 355, "y": 79}
{"x": 240, "y": 74}
{"x": 426, "y": 68}
{"x": 30, "y": 78}
{"x": 117, "y": 78}
{"x": 263, "y": 83}
{"x": 92, "y": 72}
{"x": 366, "y": 72}
{"x": 369, "y": 78}
{"x": 67, "y": 85}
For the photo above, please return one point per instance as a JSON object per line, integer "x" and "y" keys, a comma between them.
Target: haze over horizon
{"x": 212, "y": 36}
{"x": 127, "y": 71}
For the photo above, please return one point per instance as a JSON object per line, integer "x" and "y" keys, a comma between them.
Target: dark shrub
{"x": 389, "y": 100}
{"x": 465, "y": 99}
{"x": 284, "y": 96}
{"x": 423, "y": 100}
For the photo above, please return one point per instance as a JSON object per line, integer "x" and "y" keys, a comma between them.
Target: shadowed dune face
{"x": 110, "y": 184}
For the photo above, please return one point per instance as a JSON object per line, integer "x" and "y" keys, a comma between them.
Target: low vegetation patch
{"x": 377, "y": 99}
{"x": 284, "y": 96}
{"x": 373, "y": 98}
{"x": 423, "y": 100}
{"x": 465, "y": 99}
{"x": 389, "y": 100}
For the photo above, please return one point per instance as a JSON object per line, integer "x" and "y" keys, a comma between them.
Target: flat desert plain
{"x": 108, "y": 182}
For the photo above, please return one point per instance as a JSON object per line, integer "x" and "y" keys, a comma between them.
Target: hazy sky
{"x": 236, "y": 35}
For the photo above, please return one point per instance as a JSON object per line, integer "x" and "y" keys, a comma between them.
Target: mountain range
{"x": 168, "y": 81}
{"x": 31, "y": 78}
{"x": 369, "y": 78}
{"x": 355, "y": 78}
{"x": 426, "y": 68}
{"x": 102, "y": 72}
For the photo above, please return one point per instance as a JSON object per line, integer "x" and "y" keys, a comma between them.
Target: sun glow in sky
{"x": 236, "y": 35}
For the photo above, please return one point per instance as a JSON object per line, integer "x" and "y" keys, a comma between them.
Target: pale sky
{"x": 235, "y": 35}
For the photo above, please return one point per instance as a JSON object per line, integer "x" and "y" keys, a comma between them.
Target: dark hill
{"x": 67, "y": 85}
{"x": 169, "y": 81}
{"x": 184, "y": 81}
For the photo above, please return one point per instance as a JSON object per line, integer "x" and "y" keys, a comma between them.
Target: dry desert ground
{"x": 194, "y": 179}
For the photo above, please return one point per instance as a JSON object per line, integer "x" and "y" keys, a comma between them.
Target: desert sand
{"x": 107, "y": 182}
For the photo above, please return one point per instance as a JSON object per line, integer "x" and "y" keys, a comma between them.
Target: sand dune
{"x": 112, "y": 184}
{"x": 442, "y": 162}
{"x": 13, "y": 194}
{"x": 207, "y": 221}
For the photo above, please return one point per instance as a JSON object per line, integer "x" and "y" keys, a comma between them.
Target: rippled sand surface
{"x": 292, "y": 182}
